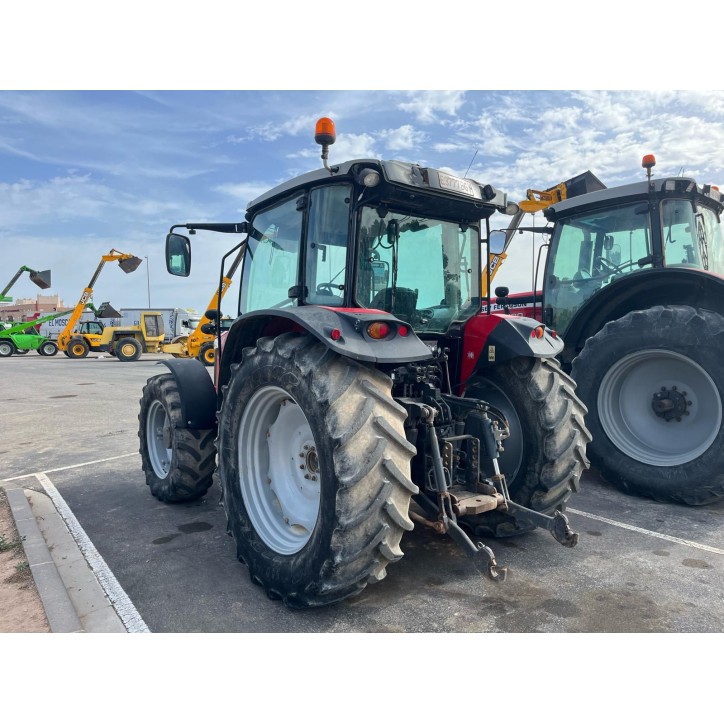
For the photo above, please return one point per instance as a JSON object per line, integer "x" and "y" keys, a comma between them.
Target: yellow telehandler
{"x": 200, "y": 343}
{"x": 126, "y": 343}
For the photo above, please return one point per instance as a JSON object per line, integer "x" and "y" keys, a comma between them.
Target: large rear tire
{"x": 653, "y": 383}
{"x": 179, "y": 463}
{"x": 315, "y": 470}
{"x": 545, "y": 455}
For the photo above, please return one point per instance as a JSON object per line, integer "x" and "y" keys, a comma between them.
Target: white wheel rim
{"x": 627, "y": 416}
{"x": 158, "y": 437}
{"x": 278, "y": 470}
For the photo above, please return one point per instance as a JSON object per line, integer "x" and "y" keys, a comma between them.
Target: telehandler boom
{"x": 41, "y": 278}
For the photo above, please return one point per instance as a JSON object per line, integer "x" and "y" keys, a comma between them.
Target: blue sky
{"x": 92, "y": 158}
{"x": 82, "y": 172}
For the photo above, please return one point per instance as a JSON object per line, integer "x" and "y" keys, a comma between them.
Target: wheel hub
{"x": 670, "y": 404}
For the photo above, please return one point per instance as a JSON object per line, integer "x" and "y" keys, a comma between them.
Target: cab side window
{"x": 271, "y": 263}
{"x": 326, "y": 245}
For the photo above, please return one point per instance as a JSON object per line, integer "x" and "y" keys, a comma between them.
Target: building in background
{"x": 22, "y": 309}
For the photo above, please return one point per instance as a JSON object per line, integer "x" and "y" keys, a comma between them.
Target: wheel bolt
{"x": 301, "y": 467}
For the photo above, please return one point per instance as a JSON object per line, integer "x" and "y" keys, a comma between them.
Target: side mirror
{"x": 497, "y": 242}
{"x": 178, "y": 255}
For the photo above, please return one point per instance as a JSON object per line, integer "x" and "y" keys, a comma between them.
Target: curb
{"x": 72, "y": 597}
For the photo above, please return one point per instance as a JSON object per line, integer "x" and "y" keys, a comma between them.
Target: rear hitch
{"x": 556, "y": 524}
{"x": 482, "y": 557}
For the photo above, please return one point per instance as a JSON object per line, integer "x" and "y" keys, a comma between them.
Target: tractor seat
{"x": 405, "y": 302}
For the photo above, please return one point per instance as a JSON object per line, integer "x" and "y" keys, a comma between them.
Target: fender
{"x": 641, "y": 290}
{"x": 352, "y": 340}
{"x": 198, "y": 396}
{"x": 491, "y": 339}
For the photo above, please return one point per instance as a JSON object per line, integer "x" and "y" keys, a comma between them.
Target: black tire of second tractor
{"x": 193, "y": 457}
{"x": 695, "y": 334}
{"x": 364, "y": 460}
{"x": 550, "y": 419}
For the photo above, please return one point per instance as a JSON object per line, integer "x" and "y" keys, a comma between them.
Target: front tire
{"x": 78, "y": 348}
{"x": 315, "y": 470}
{"x": 7, "y": 349}
{"x": 545, "y": 456}
{"x": 207, "y": 354}
{"x": 178, "y": 462}
{"x": 653, "y": 383}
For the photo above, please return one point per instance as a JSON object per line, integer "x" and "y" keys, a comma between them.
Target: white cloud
{"x": 403, "y": 138}
{"x": 428, "y": 105}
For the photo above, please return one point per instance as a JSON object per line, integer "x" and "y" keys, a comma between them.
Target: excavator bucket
{"x": 41, "y": 278}
{"x": 106, "y": 311}
{"x": 130, "y": 264}
{"x": 584, "y": 183}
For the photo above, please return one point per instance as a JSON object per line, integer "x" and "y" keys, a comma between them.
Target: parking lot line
{"x": 644, "y": 531}
{"x": 69, "y": 467}
{"x": 124, "y": 608}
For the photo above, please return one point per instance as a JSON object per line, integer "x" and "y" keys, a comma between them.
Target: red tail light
{"x": 378, "y": 330}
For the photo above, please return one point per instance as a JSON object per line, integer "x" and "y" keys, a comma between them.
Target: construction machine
{"x": 41, "y": 278}
{"x": 348, "y": 402}
{"x": 23, "y": 337}
{"x": 633, "y": 281}
{"x": 200, "y": 343}
{"x": 125, "y": 343}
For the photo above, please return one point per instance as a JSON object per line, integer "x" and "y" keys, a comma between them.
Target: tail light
{"x": 538, "y": 332}
{"x": 379, "y": 330}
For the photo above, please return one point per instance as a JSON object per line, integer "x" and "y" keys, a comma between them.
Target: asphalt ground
{"x": 69, "y": 432}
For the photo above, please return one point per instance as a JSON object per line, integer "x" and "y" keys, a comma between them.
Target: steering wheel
{"x": 328, "y": 287}
{"x": 606, "y": 265}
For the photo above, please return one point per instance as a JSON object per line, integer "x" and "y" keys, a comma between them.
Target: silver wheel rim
{"x": 6, "y": 349}
{"x": 278, "y": 470}
{"x": 158, "y": 437}
{"x": 626, "y": 412}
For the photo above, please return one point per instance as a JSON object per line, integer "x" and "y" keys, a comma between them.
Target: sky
{"x": 86, "y": 171}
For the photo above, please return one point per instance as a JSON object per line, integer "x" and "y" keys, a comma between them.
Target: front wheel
{"x": 178, "y": 462}
{"x": 653, "y": 383}
{"x": 315, "y": 470}
{"x": 7, "y": 349}
{"x": 207, "y": 354}
{"x": 78, "y": 348}
{"x": 545, "y": 455}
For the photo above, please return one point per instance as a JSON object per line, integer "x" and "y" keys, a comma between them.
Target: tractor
{"x": 365, "y": 387}
{"x": 634, "y": 283}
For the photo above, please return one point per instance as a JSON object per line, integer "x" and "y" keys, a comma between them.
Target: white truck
{"x": 176, "y": 320}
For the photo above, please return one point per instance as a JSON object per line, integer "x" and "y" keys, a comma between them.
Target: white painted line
{"x": 124, "y": 608}
{"x": 652, "y": 533}
{"x": 68, "y": 467}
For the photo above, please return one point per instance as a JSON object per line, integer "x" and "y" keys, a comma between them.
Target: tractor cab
{"x": 606, "y": 236}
